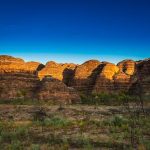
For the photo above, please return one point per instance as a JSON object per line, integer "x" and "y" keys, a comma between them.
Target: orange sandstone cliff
{"x": 65, "y": 82}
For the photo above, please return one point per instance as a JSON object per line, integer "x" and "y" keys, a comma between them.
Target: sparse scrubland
{"x": 93, "y": 124}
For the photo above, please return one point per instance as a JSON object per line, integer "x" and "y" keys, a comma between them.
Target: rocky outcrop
{"x": 114, "y": 78}
{"x": 17, "y": 86}
{"x": 19, "y": 80}
{"x": 122, "y": 82}
{"x": 62, "y": 72}
{"x": 33, "y": 67}
{"x": 141, "y": 86}
{"x": 85, "y": 75}
{"x": 127, "y": 66}
{"x": 9, "y": 64}
{"x": 104, "y": 81}
{"x": 54, "y": 90}
{"x": 59, "y": 82}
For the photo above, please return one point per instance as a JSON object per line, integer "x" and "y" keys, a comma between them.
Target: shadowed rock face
{"x": 17, "y": 86}
{"x": 141, "y": 84}
{"x": 56, "y": 91}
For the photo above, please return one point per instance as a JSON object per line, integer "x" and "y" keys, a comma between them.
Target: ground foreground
{"x": 74, "y": 127}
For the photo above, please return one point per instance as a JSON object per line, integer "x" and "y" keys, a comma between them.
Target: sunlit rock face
{"x": 115, "y": 78}
{"x": 62, "y": 72}
{"x": 127, "y": 66}
{"x": 33, "y": 67}
{"x": 59, "y": 82}
{"x": 123, "y": 80}
{"x": 9, "y": 64}
{"x": 51, "y": 89}
{"x": 104, "y": 81}
{"x": 19, "y": 80}
{"x": 85, "y": 75}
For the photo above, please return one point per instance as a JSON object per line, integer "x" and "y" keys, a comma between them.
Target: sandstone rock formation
{"x": 62, "y": 72}
{"x": 114, "y": 78}
{"x": 127, "y": 66}
{"x": 9, "y": 64}
{"x": 104, "y": 81}
{"x": 33, "y": 80}
{"x": 19, "y": 80}
{"x": 52, "y": 89}
{"x": 33, "y": 67}
{"x": 141, "y": 86}
{"x": 122, "y": 82}
{"x": 85, "y": 75}
{"x": 17, "y": 86}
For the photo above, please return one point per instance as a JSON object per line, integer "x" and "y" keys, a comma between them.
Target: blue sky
{"x": 75, "y": 30}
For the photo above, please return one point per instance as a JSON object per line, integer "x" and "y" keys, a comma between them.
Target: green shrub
{"x": 55, "y": 122}
{"x": 117, "y": 121}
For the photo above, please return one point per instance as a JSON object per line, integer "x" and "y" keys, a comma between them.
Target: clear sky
{"x": 75, "y": 30}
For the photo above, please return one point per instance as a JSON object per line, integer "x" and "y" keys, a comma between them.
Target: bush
{"x": 117, "y": 121}
{"x": 55, "y": 121}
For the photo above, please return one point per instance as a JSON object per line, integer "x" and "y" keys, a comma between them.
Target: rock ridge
{"x": 65, "y": 82}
